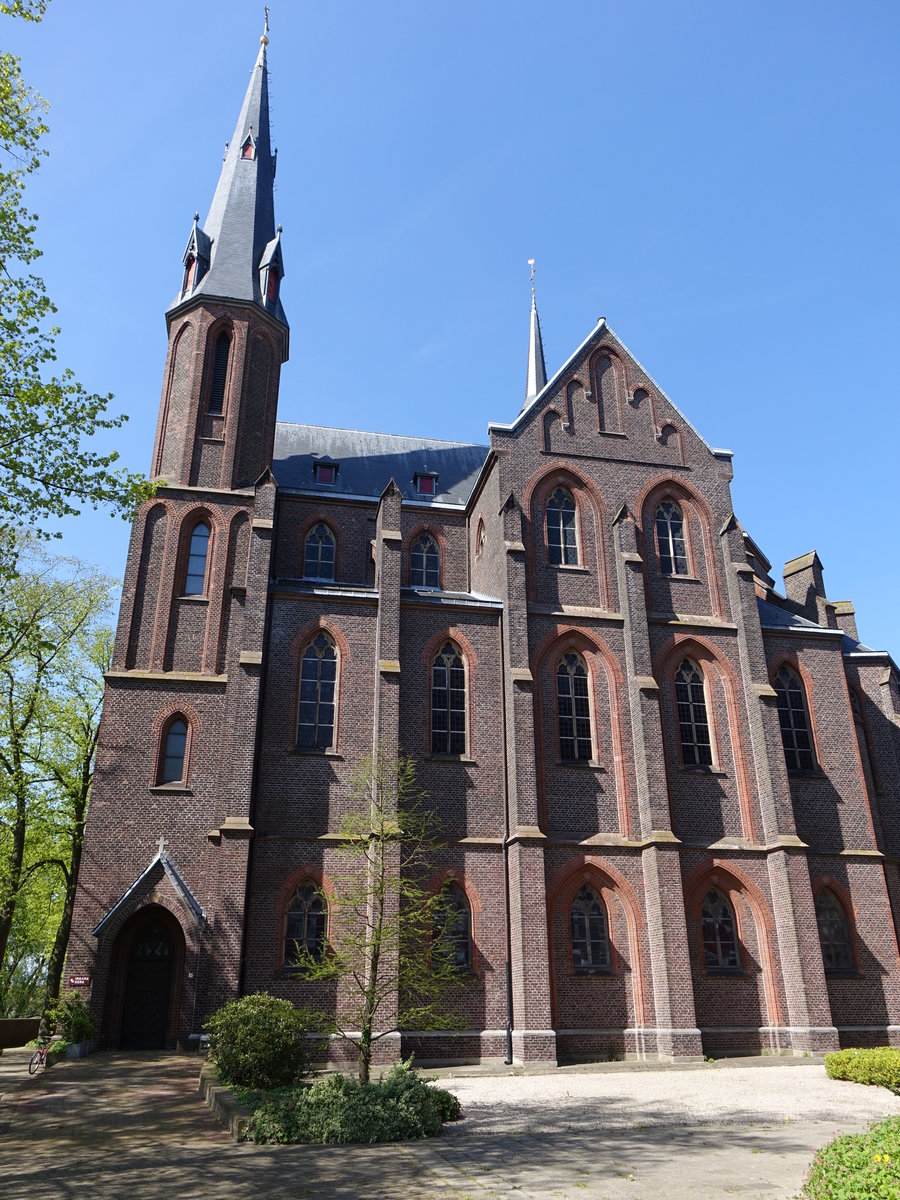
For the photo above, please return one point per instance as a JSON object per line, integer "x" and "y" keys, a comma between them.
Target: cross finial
{"x": 531, "y": 264}
{"x": 264, "y": 40}
{"x": 162, "y": 846}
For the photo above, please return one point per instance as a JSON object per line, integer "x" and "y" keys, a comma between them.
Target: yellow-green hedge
{"x": 880, "y": 1066}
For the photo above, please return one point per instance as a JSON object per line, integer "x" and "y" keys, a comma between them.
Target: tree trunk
{"x": 60, "y": 945}
{"x": 12, "y": 872}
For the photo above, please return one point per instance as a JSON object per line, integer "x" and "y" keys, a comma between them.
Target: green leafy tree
{"x": 47, "y": 418}
{"x": 390, "y": 932}
{"x": 54, "y": 645}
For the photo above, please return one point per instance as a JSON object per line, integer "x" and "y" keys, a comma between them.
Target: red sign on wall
{"x": 79, "y": 981}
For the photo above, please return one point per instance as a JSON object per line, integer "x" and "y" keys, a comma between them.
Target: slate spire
{"x": 239, "y": 231}
{"x": 537, "y": 371}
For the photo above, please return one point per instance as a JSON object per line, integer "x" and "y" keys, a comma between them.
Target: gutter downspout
{"x": 509, "y": 990}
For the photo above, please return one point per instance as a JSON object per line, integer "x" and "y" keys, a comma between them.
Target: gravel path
{"x": 625, "y": 1099}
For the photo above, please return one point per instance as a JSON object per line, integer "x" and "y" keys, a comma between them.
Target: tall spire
{"x": 537, "y": 371}
{"x": 239, "y": 230}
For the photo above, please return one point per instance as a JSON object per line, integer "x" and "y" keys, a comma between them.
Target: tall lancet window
{"x": 219, "y": 374}
{"x": 670, "y": 539}
{"x": 562, "y": 547}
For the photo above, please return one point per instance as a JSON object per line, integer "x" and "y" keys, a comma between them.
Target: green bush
{"x": 260, "y": 1041}
{"x": 73, "y": 1017}
{"x": 878, "y": 1066}
{"x": 863, "y": 1166}
{"x": 337, "y": 1110}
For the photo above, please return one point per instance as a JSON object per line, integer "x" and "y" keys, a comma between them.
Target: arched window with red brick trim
{"x": 834, "y": 932}
{"x": 452, "y": 927}
{"x": 305, "y": 925}
{"x": 173, "y": 750}
{"x": 719, "y": 931}
{"x": 573, "y": 709}
{"x": 318, "y": 694}
{"x": 589, "y": 927}
{"x": 793, "y": 717}
{"x": 448, "y": 701}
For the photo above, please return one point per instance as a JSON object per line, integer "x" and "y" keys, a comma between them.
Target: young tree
{"x": 47, "y": 470}
{"x": 390, "y": 949}
{"x": 53, "y": 646}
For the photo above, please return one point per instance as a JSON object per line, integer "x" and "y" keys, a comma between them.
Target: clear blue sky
{"x": 719, "y": 180}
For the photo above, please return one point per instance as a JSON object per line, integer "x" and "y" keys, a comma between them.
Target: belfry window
{"x": 448, "y": 702}
{"x": 195, "y": 575}
{"x": 573, "y": 709}
{"x": 719, "y": 936}
{"x": 219, "y": 374}
{"x": 794, "y": 721}
{"x": 318, "y": 688}
{"x": 670, "y": 539}
{"x": 590, "y": 934}
{"x": 693, "y": 723}
{"x": 562, "y": 548}
{"x": 304, "y": 927}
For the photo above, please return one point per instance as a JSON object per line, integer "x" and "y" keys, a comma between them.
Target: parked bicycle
{"x": 39, "y": 1058}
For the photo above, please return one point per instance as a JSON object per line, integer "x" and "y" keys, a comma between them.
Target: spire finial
{"x": 531, "y": 264}
{"x": 264, "y": 40}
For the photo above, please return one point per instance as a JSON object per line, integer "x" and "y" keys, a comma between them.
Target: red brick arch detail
{"x": 410, "y": 540}
{"x": 717, "y": 871}
{"x": 535, "y": 495}
{"x": 306, "y": 873}
{"x": 459, "y": 877}
{"x": 470, "y": 659}
{"x": 333, "y": 528}
{"x": 551, "y": 648}
{"x": 666, "y": 661}
{"x": 658, "y": 489}
{"x": 789, "y": 658}
{"x": 171, "y": 361}
{"x": 160, "y": 730}
{"x": 621, "y": 380}
{"x": 827, "y": 883}
{"x": 546, "y": 424}
{"x": 676, "y": 429}
{"x": 594, "y": 870}
{"x": 298, "y": 645}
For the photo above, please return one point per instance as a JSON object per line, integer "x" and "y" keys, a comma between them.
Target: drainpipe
{"x": 509, "y": 989}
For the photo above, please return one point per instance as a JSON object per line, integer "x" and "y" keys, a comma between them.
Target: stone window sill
{"x": 700, "y": 769}
{"x": 173, "y": 789}
{"x": 581, "y": 764}
{"x": 452, "y": 758}
{"x": 679, "y": 578}
{"x": 194, "y": 599}
{"x": 314, "y": 752}
{"x": 571, "y": 568}
{"x": 815, "y": 773}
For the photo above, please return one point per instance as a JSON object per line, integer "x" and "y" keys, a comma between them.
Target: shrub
{"x": 878, "y": 1066}
{"x": 864, "y": 1166}
{"x": 260, "y": 1041}
{"x": 73, "y": 1017}
{"x": 338, "y": 1110}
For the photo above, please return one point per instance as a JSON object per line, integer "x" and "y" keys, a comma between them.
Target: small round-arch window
{"x": 173, "y": 755}
{"x": 195, "y": 576}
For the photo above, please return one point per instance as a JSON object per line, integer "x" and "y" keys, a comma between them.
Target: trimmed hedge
{"x": 880, "y": 1066}
{"x": 260, "y": 1041}
{"x": 863, "y": 1166}
{"x": 401, "y": 1106}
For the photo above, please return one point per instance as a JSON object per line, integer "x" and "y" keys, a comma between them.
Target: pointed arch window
{"x": 174, "y": 752}
{"x": 573, "y": 709}
{"x": 318, "y": 558}
{"x": 670, "y": 539}
{"x": 448, "y": 702}
{"x": 452, "y": 929}
{"x": 794, "y": 720}
{"x": 306, "y": 919}
{"x": 425, "y": 563}
{"x": 198, "y": 552}
{"x": 221, "y": 351}
{"x": 318, "y": 691}
{"x": 719, "y": 933}
{"x": 590, "y": 934}
{"x": 562, "y": 545}
{"x": 693, "y": 723}
{"x": 834, "y": 932}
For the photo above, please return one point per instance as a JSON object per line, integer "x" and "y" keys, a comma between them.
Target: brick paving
{"x": 115, "y": 1126}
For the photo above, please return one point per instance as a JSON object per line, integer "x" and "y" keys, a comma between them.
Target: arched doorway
{"x": 146, "y": 981}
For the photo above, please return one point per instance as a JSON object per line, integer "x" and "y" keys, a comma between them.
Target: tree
{"x": 47, "y": 470}
{"x": 54, "y": 645}
{"x": 391, "y": 932}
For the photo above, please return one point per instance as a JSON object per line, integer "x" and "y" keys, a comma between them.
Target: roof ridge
{"x": 409, "y": 437}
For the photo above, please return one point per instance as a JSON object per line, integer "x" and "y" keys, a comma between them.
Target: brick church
{"x": 668, "y": 793}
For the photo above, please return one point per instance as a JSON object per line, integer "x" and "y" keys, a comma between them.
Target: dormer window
{"x": 190, "y": 271}
{"x": 248, "y": 150}
{"x": 272, "y": 285}
{"x": 426, "y": 483}
{"x": 325, "y": 472}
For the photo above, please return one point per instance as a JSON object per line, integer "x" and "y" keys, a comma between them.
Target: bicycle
{"x": 39, "y": 1058}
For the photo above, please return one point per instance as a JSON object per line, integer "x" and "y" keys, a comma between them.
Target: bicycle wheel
{"x": 37, "y": 1060}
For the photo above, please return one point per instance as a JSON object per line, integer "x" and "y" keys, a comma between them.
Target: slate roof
{"x": 368, "y": 462}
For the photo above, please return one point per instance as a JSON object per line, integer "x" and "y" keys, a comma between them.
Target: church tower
{"x": 158, "y": 926}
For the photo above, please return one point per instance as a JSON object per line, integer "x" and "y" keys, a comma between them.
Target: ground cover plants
{"x": 863, "y": 1166}
{"x": 336, "y": 1110}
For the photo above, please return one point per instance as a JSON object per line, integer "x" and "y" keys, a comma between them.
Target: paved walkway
{"x": 123, "y": 1126}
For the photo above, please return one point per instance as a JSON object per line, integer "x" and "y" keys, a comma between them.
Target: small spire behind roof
{"x": 537, "y": 372}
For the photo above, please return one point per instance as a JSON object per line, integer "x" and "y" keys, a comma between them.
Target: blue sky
{"x": 719, "y": 180}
